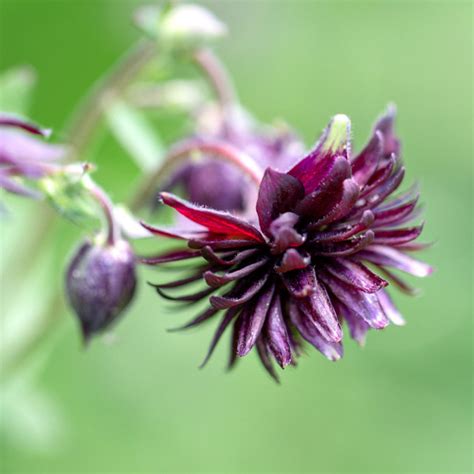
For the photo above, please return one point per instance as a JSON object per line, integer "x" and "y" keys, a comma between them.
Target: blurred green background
{"x": 139, "y": 403}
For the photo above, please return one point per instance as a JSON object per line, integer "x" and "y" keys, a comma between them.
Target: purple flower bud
{"x": 100, "y": 283}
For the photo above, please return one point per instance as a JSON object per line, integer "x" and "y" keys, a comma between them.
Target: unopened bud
{"x": 100, "y": 283}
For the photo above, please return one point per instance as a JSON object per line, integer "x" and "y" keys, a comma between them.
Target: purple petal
{"x": 252, "y": 321}
{"x": 319, "y": 309}
{"x": 173, "y": 256}
{"x": 343, "y": 249}
{"x": 394, "y": 215}
{"x": 389, "y": 308}
{"x": 397, "y": 236}
{"x": 225, "y": 321}
{"x": 355, "y": 274}
{"x": 331, "y": 350}
{"x": 366, "y": 305}
{"x": 314, "y": 168}
{"x": 278, "y": 193}
{"x": 239, "y": 295}
{"x": 357, "y": 326}
{"x": 16, "y": 122}
{"x": 365, "y": 163}
{"x": 207, "y": 314}
{"x": 385, "y": 124}
{"x": 14, "y": 187}
{"x": 301, "y": 283}
{"x": 216, "y": 221}
{"x": 390, "y": 257}
{"x": 173, "y": 233}
{"x": 321, "y": 200}
{"x": 276, "y": 334}
{"x": 223, "y": 259}
{"x": 216, "y": 281}
{"x": 194, "y": 297}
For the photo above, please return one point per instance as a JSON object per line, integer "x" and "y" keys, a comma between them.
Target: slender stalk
{"x": 182, "y": 151}
{"x": 217, "y": 76}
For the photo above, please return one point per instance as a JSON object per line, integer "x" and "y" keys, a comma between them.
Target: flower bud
{"x": 100, "y": 283}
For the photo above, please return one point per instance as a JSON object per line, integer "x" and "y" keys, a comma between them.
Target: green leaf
{"x": 134, "y": 132}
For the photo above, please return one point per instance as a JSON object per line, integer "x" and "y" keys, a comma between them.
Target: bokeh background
{"x": 138, "y": 403}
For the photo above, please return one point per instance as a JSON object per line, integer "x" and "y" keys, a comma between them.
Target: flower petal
{"x": 207, "y": 314}
{"x": 396, "y": 237}
{"x": 390, "y": 257}
{"x": 216, "y": 281}
{"x": 293, "y": 260}
{"x": 390, "y": 309}
{"x": 365, "y": 163}
{"x": 319, "y": 309}
{"x": 276, "y": 334}
{"x": 331, "y": 350}
{"x": 278, "y": 193}
{"x": 300, "y": 283}
{"x": 252, "y": 321}
{"x": 265, "y": 359}
{"x": 355, "y": 274}
{"x": 366, "y": 305}
{"x": 335, "y": 141}
{"x": 216, "y": 221}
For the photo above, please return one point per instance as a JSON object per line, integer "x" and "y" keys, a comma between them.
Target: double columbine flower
{"x": 327, "y": 229}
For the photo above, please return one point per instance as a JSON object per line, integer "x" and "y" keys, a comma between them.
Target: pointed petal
{"x": 396, "y": 237}
{"x": 366, "y": 305}
{"x": 319, "y": 309}
{"x": 252, "y": 321}
{"x": 276, "y": 334}
{"x": 239, "y": 295}
{"x": 390, "y": 309}
{"x": 216, "y": 281}
{"x": 174, "y": 233}
{"x": 207, "y": 314}
{"x": 394, "y": 215}
{"x": 13, "y": 121}
{"x": 390, "y": 257}
{"x": 386, "y": 125}
{"x": 365, "y": 163}
{"x": 216, "y": 221}
{"x": 335, "y": 141}
{"x": 189, "y": 298}
{"x": 172, "y": 256}
{"x": 278, "y": 193}
{"x": 331, "y": 350}
{"x": 348, "y": 247}
{"x": 355, "y": 274}
{"x": 225, "y": 321}
{"x": 358, "y": 328}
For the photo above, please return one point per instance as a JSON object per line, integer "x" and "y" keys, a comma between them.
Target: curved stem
{"x": 113, "y": 230}
{"x": 217, "y": 76}
{"x": 182, "y": 151}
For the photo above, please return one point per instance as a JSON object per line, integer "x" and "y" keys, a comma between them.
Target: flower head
{"x": 22, "y": 156}
{"x": 326, "y": 233}
{"x": 100, "y": 283}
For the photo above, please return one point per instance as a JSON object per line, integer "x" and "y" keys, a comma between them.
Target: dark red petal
{"x": 390, "y": 257}
{"x": 331, "y": 350}
{"x": 179, "y": 283}
{"x": 194, "y": 297}
{"x": 293, "y": 260}
{"x": 366, "y": 305}
{"x": 318, "y": 307}
{"x": 278, "y": 193}
{"x": 346, "y": 232}
{"x": 225, "y": 321}
{"x": 173, "y": 256}
{"x": 174, "y": 233}
{"x": 216, "y": 221}
{"x": 342, "y": 206}
{"x": 343, "y": 249}
{"x": 276, "y": 334}
{"x": 220, "y": 243}
{"x": 240, "y": 294}
{"x": 321, "y": 200}
{"x": 386, "y": 125}
{"x": 394, "y": 215}
{"x": 397, "y": 236}
{"x": 314, "y": 168}
{"x": 355, "y": 274}
{"x": 365, "y": 163}
{"x": 380, "y": 176}
{"x": 300, "y": 283}
{"x": 252, "y": 321}
{"x": 216, "y": 281}
{"x": 207, "y": 314}
{"x": 382, "y": 192}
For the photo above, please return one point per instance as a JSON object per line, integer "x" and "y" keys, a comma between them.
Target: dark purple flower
{"x": 100, "y": 283}
{"x": 23, "y": 156}
{"x": 327, "y": 229}
{"x": 203, "y": 181}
